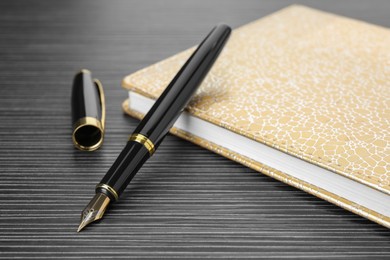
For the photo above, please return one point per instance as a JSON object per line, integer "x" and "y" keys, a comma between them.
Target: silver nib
{"x": 94, "y": 210}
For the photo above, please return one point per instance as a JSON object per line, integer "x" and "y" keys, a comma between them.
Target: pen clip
{"x": 102, "y": 102}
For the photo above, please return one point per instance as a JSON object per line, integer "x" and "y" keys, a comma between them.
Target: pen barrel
{"x": 178, "y": 93}
{"x": 132, "y": 157}
{"x": 161, "y": 117}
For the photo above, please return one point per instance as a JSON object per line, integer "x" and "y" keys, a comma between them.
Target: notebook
{"x": 302, "y": 96}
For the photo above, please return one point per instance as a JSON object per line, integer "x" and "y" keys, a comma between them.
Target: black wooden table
{"x": 186, "y": 201}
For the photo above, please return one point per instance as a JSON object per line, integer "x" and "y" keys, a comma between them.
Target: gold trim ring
{"x": 85, "y": 144}
{"x": 139, "y": 138}
{"x": 110, "y": 189}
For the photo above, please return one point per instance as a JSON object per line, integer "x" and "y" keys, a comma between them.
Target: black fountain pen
{"x": 156, "y": 124}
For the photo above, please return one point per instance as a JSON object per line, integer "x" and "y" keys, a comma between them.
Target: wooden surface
{"x": 186, "y": 201}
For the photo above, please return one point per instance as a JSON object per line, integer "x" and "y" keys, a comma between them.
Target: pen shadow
{"x": 189, "y": 183}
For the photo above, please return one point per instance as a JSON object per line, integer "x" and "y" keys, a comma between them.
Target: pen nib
{"x": 94, "y": 210}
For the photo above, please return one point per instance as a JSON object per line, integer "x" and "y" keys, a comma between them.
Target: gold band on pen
{"x": 139, "y": 138}
{"x": 110, "y": 189}
{"x": 78, "y": 139}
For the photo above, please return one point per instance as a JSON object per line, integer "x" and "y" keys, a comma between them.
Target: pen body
{"x": 161, "y": 117}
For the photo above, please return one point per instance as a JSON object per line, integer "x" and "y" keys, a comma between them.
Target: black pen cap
{"x": 88, "y": 112}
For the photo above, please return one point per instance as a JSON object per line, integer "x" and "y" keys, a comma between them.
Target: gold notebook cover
{"x": 308, "y": 83}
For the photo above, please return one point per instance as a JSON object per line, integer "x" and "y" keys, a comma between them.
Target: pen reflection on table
{"x": 156, "y": 124}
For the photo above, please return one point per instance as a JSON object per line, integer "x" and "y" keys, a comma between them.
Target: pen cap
{"x": 88, "y": 112}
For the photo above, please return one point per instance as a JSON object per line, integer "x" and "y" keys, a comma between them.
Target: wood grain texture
{"x": 186, "y": 201}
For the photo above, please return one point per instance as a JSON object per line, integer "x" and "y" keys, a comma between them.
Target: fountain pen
{"x": 155, "y": 125}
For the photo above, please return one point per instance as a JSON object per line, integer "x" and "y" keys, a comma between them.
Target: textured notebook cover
{"x": 311, "y": 84}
